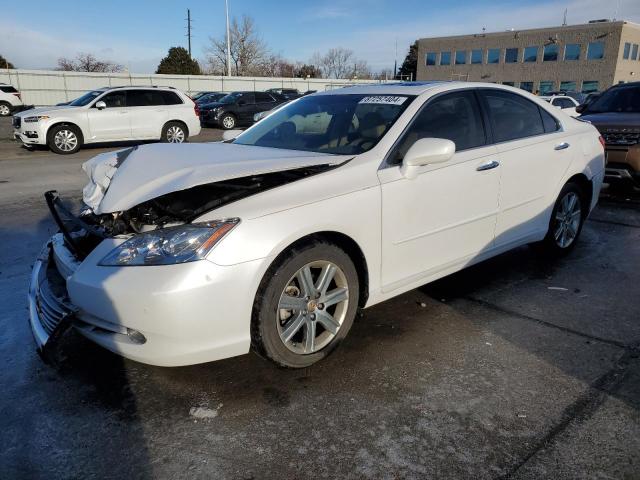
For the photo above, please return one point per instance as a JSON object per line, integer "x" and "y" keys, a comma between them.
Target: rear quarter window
{"x": 512, "y": 116}
{"x": 8, "y": 89}
{"x": 170, "y": 98}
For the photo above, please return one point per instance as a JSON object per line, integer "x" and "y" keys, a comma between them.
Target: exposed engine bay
{"x": 84, "y": 231}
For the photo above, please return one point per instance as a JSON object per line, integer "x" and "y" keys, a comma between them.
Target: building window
{"x": 511, "y": 84}
{"x": 589, "y": 86}
{"x": 493, "y": 55}
{"x": 572, "y": 51}
{"x": 445, "y": 58}
{"x": 461, "y": 57}
{"x": 568, "y": 86}
{"x": 530, "y": 54}
{"x": 476, "y": 56}
{"x": 627, "y": 50}
{"x": 545, "y": 87}
{"x": 430, "y": 58}
{"x": 634, "y": 52}
{"x": 550, "y": 53}
{"x": 528, "y": 86}
{"x": 595, "y": 51}
{"x": 511, "y": 55}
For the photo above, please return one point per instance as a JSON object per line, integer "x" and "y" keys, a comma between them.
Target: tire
{"x": 283, "y": 335}
{"x": 5, "y": 109}
{"x": 64, "y": 139}
{"x": 567, "y": 218}
{"x": 228, "y": 121}
{"x": 174, "y": 132}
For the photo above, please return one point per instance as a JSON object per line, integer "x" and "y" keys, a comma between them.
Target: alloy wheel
{"x": 65, "y": 140}
{"x": 228, "y": 122}
{"x": 175, "y": 134}
{"x": 567, "y": 220}
{"x": 4, "y": 110}
{"x": 312, "y": 307}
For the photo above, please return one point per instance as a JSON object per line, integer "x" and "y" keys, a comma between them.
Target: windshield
{"x": 86, "y": 98}
{"x": 619, "y": 99}
{"x": 231, "y": 98}
{"x": 338, "y": 124}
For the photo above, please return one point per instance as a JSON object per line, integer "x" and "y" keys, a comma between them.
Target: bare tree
{"x": 275, "y": 66}
{"x": 249, "y": 52}
{"x": 361, "y": 70}
{"x": 337, "y": 62}
{"x": 87, "y": 62}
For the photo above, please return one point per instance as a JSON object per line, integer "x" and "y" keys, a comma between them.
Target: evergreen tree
{"x": 178, "y": 62}
{"x": 409, "y": 67}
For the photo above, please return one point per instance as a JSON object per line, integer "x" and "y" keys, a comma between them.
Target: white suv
{"x": 9, "y": 99}
{"x": 110, "y": 114}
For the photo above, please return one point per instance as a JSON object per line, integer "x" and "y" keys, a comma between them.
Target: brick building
{"x": 585, "y": 58}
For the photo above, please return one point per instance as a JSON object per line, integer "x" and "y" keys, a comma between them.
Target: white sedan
{"x": 338, "y": 201}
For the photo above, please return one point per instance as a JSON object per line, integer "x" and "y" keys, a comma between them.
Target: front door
{"x": 113, "y": 122}
{"x": 246, "y": 107}
{"x": 446, "y": 216}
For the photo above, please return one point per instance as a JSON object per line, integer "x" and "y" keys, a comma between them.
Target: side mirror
{"x": 581, "y": 108}
{"x": 101, "y": 105}
{"x": 228, "y": 135}
{"x": 426, "y": 151}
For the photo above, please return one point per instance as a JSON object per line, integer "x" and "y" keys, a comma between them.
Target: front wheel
{"x": 305, "y": 306}
{"x": 228, "y": 121}
{"x": 64, "y": 139}
{"x": 5, "y": 109}
{"x": 567, "y": 219}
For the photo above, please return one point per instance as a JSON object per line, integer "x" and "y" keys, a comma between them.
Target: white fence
{"x": 48, "y": 87}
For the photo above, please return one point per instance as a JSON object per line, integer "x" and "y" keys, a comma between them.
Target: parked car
{"x": 197, "y": 95}
{"x": 110, "y": 114}
{"x": 577, "y": 96}
{"x": 238, "y": 108}
{"x": 10, "y": 99}
{"x": 616, "y": 113}
{"x": 210, "y": 97}
{"x": 288, "y": 93}
{"x": 340, "y": 200}
{"x": 260, "y": 115}
{"x": 565, "y": 103}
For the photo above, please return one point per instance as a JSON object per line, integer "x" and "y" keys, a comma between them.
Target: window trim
{"x": 488, "y": 135}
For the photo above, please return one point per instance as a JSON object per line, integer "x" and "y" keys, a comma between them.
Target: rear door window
{"x": 512, "y": 116}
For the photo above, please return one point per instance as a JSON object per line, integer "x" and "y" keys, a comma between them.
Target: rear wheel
{"x": 305, "y": 306}
{"x": 174, "y": 132}
{"x": 5, "y": 109}
{"x": 64, "y": 139}
{"x": 567, "y": 219}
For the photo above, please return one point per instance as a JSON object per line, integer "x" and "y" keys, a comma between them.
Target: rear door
{"x": 111, "y": 123}
{"x": 534, "y": 155}
{"x": 148, "y": 113}
{"x": 246, "y": 107}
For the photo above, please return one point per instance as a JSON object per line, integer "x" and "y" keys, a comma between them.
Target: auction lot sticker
{"x": 384, "y": 100}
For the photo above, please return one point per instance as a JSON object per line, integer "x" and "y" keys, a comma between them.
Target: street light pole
{"x": 226, "y": 5}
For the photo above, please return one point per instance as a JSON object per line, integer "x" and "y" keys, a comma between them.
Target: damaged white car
{"x": 192, "y": 253}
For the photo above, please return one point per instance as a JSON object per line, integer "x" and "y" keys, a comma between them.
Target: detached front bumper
{"x": 30, "y": 134}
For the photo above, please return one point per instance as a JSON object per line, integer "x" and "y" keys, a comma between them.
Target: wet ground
{"x": 519, "y": 367}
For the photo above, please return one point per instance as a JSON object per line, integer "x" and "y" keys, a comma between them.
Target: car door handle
{"x": 488, "y": 166}
{"x": 561, "y": 146}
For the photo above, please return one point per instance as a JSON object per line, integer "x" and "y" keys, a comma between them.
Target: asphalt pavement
{"x": 520, "y": 367}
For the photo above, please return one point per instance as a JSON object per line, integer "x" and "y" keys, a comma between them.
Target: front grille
{"x": 17, "y": 121}
{"x": 51, "y": 298}
{"x": 621, "y": 138}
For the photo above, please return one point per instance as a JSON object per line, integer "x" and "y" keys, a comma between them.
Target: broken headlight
{"x": 167, "y": 246}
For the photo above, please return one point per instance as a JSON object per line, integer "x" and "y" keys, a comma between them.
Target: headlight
{"x": 36, "y": 119}
{"x": 167, "y": 246}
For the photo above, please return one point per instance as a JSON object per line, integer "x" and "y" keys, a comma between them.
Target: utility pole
{"x": 226, "y": 5}
{"x": 189, "y": 29}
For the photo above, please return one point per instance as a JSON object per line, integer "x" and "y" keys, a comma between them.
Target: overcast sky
{"x": 138, "y": 33}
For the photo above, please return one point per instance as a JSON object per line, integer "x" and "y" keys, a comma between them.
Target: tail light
{"x": 602, "y": 142}
{"x": 196, "y": 109}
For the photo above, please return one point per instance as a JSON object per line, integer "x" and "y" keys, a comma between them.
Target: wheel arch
{"x": 181, "y": 122}
{"x": 68, "y": 124}
{"x": 346, "y": 243}
{"x": 585, "y": 185}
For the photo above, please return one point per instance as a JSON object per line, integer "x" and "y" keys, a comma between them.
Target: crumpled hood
{"x": 123, "y": 179}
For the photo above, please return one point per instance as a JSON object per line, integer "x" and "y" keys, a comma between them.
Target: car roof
{"x": 412, "y": 88}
